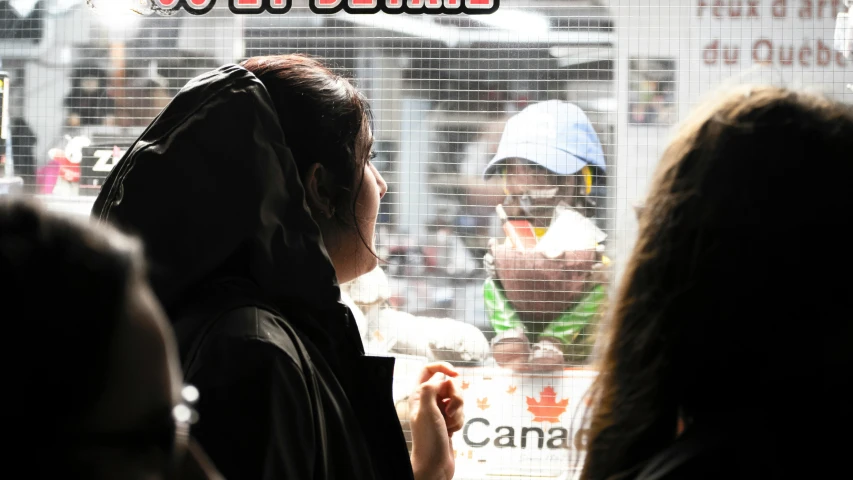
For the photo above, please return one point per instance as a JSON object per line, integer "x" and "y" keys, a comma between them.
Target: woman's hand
{"x": 435, "y": 414}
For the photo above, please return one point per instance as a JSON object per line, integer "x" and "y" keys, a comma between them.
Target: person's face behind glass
{"x": 350, "y": 242}
{"x": 532, "y": 192}
{"x": 136, "y": 429}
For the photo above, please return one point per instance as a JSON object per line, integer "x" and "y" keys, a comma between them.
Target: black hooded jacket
{"x": 237, "y": 261}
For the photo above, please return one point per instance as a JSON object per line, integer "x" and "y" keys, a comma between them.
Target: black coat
{"x": 236, "y": 259}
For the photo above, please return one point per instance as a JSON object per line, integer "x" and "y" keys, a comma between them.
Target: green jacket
{"x": 575, "y": 328}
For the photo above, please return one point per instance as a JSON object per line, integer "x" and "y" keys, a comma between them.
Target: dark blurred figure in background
{"x": 730, "y": 339}
{"x": 93, "y": 358}
{"x": 23, "y": 151}
{"x": 89, "y": 102}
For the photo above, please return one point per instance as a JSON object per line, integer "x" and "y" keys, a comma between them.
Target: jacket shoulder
{"x": 254, "y": 329}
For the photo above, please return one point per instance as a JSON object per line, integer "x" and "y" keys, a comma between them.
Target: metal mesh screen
{"x": 81, "y": 83}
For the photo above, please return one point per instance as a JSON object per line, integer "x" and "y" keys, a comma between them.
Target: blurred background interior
{"x": 83, "y": 78}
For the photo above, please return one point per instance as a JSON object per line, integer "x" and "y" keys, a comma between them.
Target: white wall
{"x": 218, "y": 33}
{"x": 683, "y": 29}
{"x": 414, "y": 205}
{"x": 642, "y": 31}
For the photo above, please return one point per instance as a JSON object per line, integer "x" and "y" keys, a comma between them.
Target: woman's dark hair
{"x": 64, "y": 286}
{"x": 731, "y": 297}
{"x": 325, "y": 120}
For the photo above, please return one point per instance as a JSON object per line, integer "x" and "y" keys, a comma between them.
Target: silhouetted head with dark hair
{"x": 732, "y": 315}
{"x": 88, "y": 349}
{"x": 327, "y": 126}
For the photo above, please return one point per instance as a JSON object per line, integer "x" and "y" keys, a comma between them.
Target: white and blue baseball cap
{"x": 554, "y": 134}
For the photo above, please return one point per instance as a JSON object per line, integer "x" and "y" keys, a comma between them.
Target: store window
{"x": 652, "y": 91}
{"x": 516, "y": 146}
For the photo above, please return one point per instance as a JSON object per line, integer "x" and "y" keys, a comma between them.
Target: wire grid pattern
{"x": 83, "y": 83}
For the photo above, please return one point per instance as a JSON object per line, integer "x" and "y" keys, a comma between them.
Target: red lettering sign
{"x": 731, "y": 55}
{"x": 818, "y": 8}
{"x": 762, "y": 51}
{"x": 735, "y": 9}
{"x": 824, "y": 54}
{"x": 753, "y": 9}
{"x": 780, "y": 8}
{"x": 786, "y": 59}
{"x": 711, "y": 53}
{"x": 715, "y": 50}
{"x": 805, "y": 56}
{"x": 806, "y": 9}
{"x": 729, "y": 8}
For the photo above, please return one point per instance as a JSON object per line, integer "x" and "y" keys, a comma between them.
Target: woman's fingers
{"x": 435, "y": 414}
{"x": 437, "y": 367}
{"x": 450, "y": 396}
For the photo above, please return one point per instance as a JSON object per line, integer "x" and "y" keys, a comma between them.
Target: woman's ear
{"x": 318, "y": 191}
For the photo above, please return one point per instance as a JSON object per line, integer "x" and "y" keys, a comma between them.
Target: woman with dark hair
{"x": 255, "y": 196}
{"x": 728, "y": 333}
{"x": 93, "y": 357}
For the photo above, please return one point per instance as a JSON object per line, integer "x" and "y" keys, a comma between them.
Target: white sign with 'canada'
{"x": 520, "y": 425}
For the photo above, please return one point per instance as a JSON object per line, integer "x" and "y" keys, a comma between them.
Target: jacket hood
{"x": 212, "y": 188}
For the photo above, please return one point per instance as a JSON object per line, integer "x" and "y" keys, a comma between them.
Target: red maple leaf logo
{"x": 465, "y": 385}
{"x": 483, "y": 403}
{"x": 511, "y": 389}
{"x": 547, "y": 408}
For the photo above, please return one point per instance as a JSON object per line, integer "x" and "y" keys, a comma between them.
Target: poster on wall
{"x": 652, "y": 91}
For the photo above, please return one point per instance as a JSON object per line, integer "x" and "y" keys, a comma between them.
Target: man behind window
{"x": 546, "y": 283}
